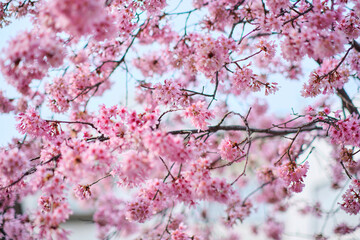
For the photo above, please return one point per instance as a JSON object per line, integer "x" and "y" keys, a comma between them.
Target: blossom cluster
{"x": 293, "y": 175}
{"x": 31, "y": 123}
{"x": 90, "y": 17}
{"x": 326, "y": 79}
{"x": 351, "y": 198}
{"x": 230, "y": 150}
{"x": 29, "y": 56}
{"x": 199, "y": 114}
{"x": 346, "y": 131}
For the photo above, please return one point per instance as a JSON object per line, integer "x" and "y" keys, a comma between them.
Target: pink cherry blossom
{"x": 31, "y": 123}
{"x": 273, "y": 229}
{"x": 351, "y": 199}
{"x": 293, "y": 175}
{"x": 199, "y": 114}
{"x": 230, "y": 150}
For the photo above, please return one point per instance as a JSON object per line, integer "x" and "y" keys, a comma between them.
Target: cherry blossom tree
{"x": 195, "y": 132}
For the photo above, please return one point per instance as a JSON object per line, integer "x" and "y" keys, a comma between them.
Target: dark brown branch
{"x": 164, "y": 180}
{"x": 167, "y": 168}
{"x": 243, "y": 128}
{"x": 106, "y": 176}
{"x": 163, "y": 114}
{"x": 248, "y": 140}
{"x": 257, "y": 189}
{"x": 196, "y": 93}
{"x": 339, "y": 64}
{"x": 73, "y": 122}
{"x": 216, "y": 87}
{"x": 31, "y": 171}
{"x": 356, "y": 45}
{"x": 226, "y": 164}
{"x": 346, "y": 101}
{"x": 252, "y": 55}
{"x": 299, "y": 15}
{"x": 86, "y": 90}
{"x": 346, "y": 171}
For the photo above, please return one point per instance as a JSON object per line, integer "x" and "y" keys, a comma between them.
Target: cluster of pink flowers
{"x": 195, "y": 184}
{"x": 31, "y": 123}
{"x": 237, "y": 210}
{"x": 149, "y": 200}
{"x": 83, "y": 79}
{"x": 346, "y": 157}
{"x": 244, "y": 81}
{"x": 153, "y": 7}
{"x": 74, "y": 88}
{"x": 82, "y": 192}
{"x": 15, "y": 227}
{"x": 142, "y": 121}
{"x": 273, "y": 229}
{"x": 214, "y": 189}
{"x": 134, "y": 168}
{"x": 182, "y": 57}
{"x": 199, "y": 114}
{"x": 317, "y": 39}
{"x": 182, "y": 190}
{"x": 75, "y": 17}
{"x": 343, "y": 229}
{"x": 325, "y": 80}
{"x": 311, "y": 114}
{"x": 321, "y": 16}
{"x": 222, "y": 13}
{"x": 58, "y": 91}
{"x": 206, "y": 187}
{"x": 267, "y": 47}
{"x": 167, "y": 146}
{"x": 79, "y": 159}
{"x": 5, "y": 104}
{"x": 320, "y": 23}
{"x": 315, "y": 209}
{"x": 12, "y": 164}
{"x": 50, "y": 183}
{"x": 354, "y": 61}
{"x": 275, "y": 192}
{"x": 230, "y": 150}
{"x": 110, "y": 215}
{"x": 266, "y": 174}
{"x": 346, "y": 131}
{"x": 106, "y": 123}
{"x": 125, "y": 17}
{"x": 53, "y": 211}
{"x": 327, "y": 45}
{"x": 180, "y": 234}
{"x": 276, "y": 6}
{"x": 29, "y": 56}
{"x": 150, "y": 65}
{"x": 350, "y": 25}
{"x": 170, "y": 93}
{"x": 155, "y": 196}
{"x": 154, "y": 32}
{"x": 294, "y": 175}
{"x": 211, "y": 54}
{"x": 291, "y": 47}
{"x": 351, "y": 198}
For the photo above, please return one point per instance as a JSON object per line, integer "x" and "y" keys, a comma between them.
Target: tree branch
{"x": 253, "y": 130}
